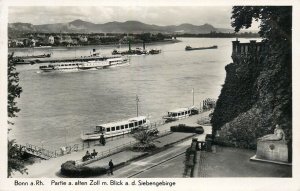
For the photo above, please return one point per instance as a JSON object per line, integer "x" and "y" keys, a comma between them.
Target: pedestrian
{"x": 111, "y": 167}
{"x": 94, "y": 154}
{"x": 102, "y": 139}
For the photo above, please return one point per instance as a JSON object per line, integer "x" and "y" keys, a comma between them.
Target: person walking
{"x": 111, "y": 167}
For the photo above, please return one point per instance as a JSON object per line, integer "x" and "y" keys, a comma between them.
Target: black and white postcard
{"x": 149, "y": 95}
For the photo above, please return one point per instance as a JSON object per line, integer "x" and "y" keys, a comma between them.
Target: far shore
{"x": 102, "y": 45}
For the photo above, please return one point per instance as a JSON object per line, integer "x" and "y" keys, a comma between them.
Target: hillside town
{"x": 75, "y": 39}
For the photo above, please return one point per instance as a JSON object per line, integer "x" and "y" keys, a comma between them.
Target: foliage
{"x": 71, "y": 170}
{"x": 145, "y": 138}
{"x": 14, "y": 90}
{"x": 15, "y": 162}
{"x": 276, "y": 22}
{"x": 238, "y": 93}
{"x": 257, "y": 93}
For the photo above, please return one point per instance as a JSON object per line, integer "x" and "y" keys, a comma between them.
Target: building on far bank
{"x": 32, "y": 42}
{"x": 83, "y": 39}
{"x": 51, "y": 40}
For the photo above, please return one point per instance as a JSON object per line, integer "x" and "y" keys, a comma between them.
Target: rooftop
{"x": 123, "y": 122}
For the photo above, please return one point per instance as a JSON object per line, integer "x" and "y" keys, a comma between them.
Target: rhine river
{"x": 56, "y": 107}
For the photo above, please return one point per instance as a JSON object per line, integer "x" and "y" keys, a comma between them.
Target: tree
{"x": 14, "y": 90}
{"x": 270, "y": 100}
{"x": 276, "y": 21}
{"x": 15, "y": 162}
{"x": 145, "y": 138}
{"x": 257, "y": 95}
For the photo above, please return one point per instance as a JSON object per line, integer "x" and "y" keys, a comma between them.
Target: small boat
{"x": 117, "y": 128}
{"x": 117, "y": 61}
{"x": 154, "y": 51}
{"x": 187, "y": 48}
{"x": 180, "y": 113}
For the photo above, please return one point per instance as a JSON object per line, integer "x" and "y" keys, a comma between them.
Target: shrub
{"x": 145, "y": 140}
{"x": 71, "y": 170}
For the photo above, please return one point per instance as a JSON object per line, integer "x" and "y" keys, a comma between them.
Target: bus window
{"x": 118, "y": 127}
{"x": 140, "y": 122}
{"x": 135, "y": 123}
{"x": 186, "y": 112}
{"x": 182, "y": 113}
{"x": 113, "y": 128}
{"x": 144, "y": 120}
{"x": 108, "y": 129}
{"x": 122, "y": 126}
{"x": 126, "y": 126}
{"x": 130, "y": 125}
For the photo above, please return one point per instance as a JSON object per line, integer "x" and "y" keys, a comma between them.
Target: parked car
{"x": 187, "y": 128}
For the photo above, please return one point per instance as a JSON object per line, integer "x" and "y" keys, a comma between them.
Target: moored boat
{"x": 76, "y": 66}
{"x": 180, "y": 113}
{"x": 154, "y": 51}
{"x": 48, "y": 55}
{"x": 116, "y": 128}
{"x": 200, "y": 48}
{"x": 117, "y": 61}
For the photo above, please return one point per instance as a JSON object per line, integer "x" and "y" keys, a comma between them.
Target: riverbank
{"x": 50, "y": 168}
{"x": 106, "y": 45}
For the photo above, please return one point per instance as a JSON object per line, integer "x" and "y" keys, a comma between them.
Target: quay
{"x": 51, "y": 168}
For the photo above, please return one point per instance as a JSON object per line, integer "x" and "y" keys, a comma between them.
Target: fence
{"x": 46, "y": 154}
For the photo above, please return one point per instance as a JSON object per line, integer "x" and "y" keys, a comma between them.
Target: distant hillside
{"x": 80, "y": 26}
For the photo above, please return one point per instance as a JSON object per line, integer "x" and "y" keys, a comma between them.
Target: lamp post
{"x": 137, "y": 105}
{"x": 193, "y": 96}
{"x": 66, "y": 134}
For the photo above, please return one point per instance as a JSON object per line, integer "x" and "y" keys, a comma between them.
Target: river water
{"x": 56, "y": 107}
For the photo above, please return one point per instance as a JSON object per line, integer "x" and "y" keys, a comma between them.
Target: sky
{"x": 217, "y": 16}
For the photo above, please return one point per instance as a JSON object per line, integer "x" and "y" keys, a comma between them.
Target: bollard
{"x": 208, "y": 140}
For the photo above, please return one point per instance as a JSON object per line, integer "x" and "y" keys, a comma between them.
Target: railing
{"x": 37, "y": 151}
{"x": 114, "y": 150}
{"x": 47, "y": 154}
{"x": 106, "y": 153}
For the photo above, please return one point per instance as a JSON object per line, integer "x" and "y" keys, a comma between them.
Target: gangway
{"x": 37, "y": 151}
